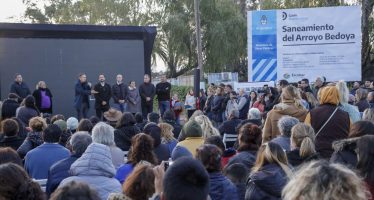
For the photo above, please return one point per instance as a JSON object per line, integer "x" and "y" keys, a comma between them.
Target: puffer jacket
{"x": 266, "y": 184}
{"x": 123, "y": 135}
{"x": 221, "y": 188}
{"x": 271, "y": 129}
{"x": 344, "y": 152}
{"x": 95, "y": 168}
{"x": 33, "y": 140}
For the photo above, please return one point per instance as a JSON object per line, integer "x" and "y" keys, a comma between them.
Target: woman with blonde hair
{"x": 322, "y": 180}
{"x": 353, "y": 112}
{"x": 269, "y": 174}
{"x": 302, "y": 145}
{"x": 43, "y": 98}
{"x": 368, "y": 115}
{"x": 290, "y": 105}
{"x": 167, "y": 136}
{"x": 206, "y": 126}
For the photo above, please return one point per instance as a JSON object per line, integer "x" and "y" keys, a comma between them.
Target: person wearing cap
{"x": 194, "y": 136}
{"x": 72, "y": 124}
{"x": 19, "y": 87}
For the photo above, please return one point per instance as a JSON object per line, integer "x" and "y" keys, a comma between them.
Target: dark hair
{"x": 155, "y": 132}
{"x": 127, "y": 119}
{"x": 94, "y": 120}
{"x": 141, "y": 149}
{"x": 139, "y": 184}
{"x": 283, "y": 83}
{"x": 185, "y": 179}
{"x": 365, "y": 163}
{"x": 81, "y": 74}
{"x": 305, "y": 80}
{"x": 21, "y": 128}
{"x": 169, "y": 116}
{"x": 79, "y": 142}
{"x": 85, "y": 125}
{"x": 361, "y": 128}
{"x": 216, "y": 140}
{"x": 139, "y": 117}
{"x": 75, "y": 191}
{"x": 30, "y": 103}
{"x": 249, "y": 137}
{"x": 16, "y": 184}
{"x": 210, "y": 156}
{"x": 57, "y": 117}
{"x": 229, "y": 86}
{"x": 9, "y": 127}
{"x": 52, "y": 134}
{"x": 9, "y": 155}
{"x": 153, "y": 117}
{"x": 237, "y": 173}
{"x": 13, "y": 96}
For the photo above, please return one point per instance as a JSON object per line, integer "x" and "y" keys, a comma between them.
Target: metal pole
{"x": 198, "y": 38}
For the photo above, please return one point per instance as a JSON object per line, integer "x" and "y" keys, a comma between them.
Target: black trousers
{"x": 100, "y": 111}
{"x": 82, "y": 111}
{"x": 147, "y": 108}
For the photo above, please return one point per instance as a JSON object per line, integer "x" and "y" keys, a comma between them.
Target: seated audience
{"x": 72, "y": 124}
{"x": 290, "y": 105}
{"x": 140, "y": 122}
{"x": 153, "y": 117}
{"x": 249, "y": 141}
{"x": 34, "y": 138}
{"x": 60, "y": 170}
{"x": 285, "y": 125}
{"x": 185, "y": 179}
{"x": 39, "y": 160}
{"x": 65, "y": 133}
{"x": 226, "y": 153}
{"x": 141, "y": 150}
{"x": 8, "y": 155}
{"x": 28, "y": 110}
{"x": 125, "y": 130}
{"x": 207, "y": 126}
{"x": 365, "y": 163}
{"x": 167, "y": 136}
{"x": 302, "y": 145}
{"x": 75, "y": 191}
{"x": 345, "y": 150}
{"x": 220, "y": 187}
{"x": 270, "y": 173}
{"x": 169, "y": 117}
{"x": 228, "y": 127}
{"x": 328, "y": 121}
{"x": 9, "y": 107}
{"x": 237, "y": 173}
{"x": 194, "y": 136}
{"x": 321, "y": 180}
{"x": 103, "y": 133}
{"x": 95, "y": 168}
{"x": 254, "y": 117}
{"x": 85, "y": 125}
{"x": 10, "y": 131}
{"x": 140, "y": 184}
{"x": 16, "y": 184}
{"x": 161, "y": 150}
{"x": 180, "y": 152}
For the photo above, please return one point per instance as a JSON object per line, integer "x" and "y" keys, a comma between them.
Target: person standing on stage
{"x": 102, "y": 97}
{"x": 147, "y": 91}
{"x": 43, "y": 98}
{"x": 19, "y": 87}
{"x": 82, "y": 93}
{"x": 163, "y": 95}
{"x": 119, "y": 94}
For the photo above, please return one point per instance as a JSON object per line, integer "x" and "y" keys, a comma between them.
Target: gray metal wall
{"x": 59, "y": 61}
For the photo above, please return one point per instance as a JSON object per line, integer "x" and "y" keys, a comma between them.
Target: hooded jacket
{"x": 344, "y": 152}
{"x": 338, "y": 126}
{"x": 95, "y": 168}
{"x": 271, "y": 129}
{"x": 266, "y": 184}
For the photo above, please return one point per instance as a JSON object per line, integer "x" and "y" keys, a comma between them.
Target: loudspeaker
{"x": 197, "y": 82}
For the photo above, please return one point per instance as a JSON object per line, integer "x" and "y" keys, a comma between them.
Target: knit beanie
{"x": 61, "y": 124}
{"x": 193, "y": 129}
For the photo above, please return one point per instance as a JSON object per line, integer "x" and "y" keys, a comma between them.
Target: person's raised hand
{"x": 159, "y": 172}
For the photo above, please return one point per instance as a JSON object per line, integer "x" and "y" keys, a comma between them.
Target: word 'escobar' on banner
{"x": 315, "y": 38}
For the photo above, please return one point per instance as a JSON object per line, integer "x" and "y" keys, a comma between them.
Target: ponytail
{"x": 307, "y": 147}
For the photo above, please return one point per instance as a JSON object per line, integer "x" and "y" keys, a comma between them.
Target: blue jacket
{"x": 267, "y": 183}
{"x": 39, "y": 160}
{"x": 82, "y": 92}
{"x": 58, "y": 172}
{"x": 123, "y": 172}
{"x": 221, "y": 188}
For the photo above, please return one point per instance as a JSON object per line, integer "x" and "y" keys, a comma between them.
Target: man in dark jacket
{"x": 169, "y": 117}
{"x": 82, "y": 99}
{"x": 243, "y": 105}
{"x": 10, "y": 131}
{"x": 102, "y": 97}
{"x": 19, "y": 87}
{"x": 119, "y": 94}
{"x": 163, "y": 95}
{"x": 60, "y": 170}
{"x": 9, "y": 107}
{"x": 229, "y": 126}
{"x": 147, "y": 92}
{"x": 228, "y": 90}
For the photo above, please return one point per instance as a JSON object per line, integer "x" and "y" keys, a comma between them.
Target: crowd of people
{"x": 292, "y": 141}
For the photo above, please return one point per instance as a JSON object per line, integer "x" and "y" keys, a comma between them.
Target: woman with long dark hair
{"x": 365, "y": 155}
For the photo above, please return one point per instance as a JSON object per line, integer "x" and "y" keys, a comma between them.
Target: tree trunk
{"x": 367, "y": 9}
